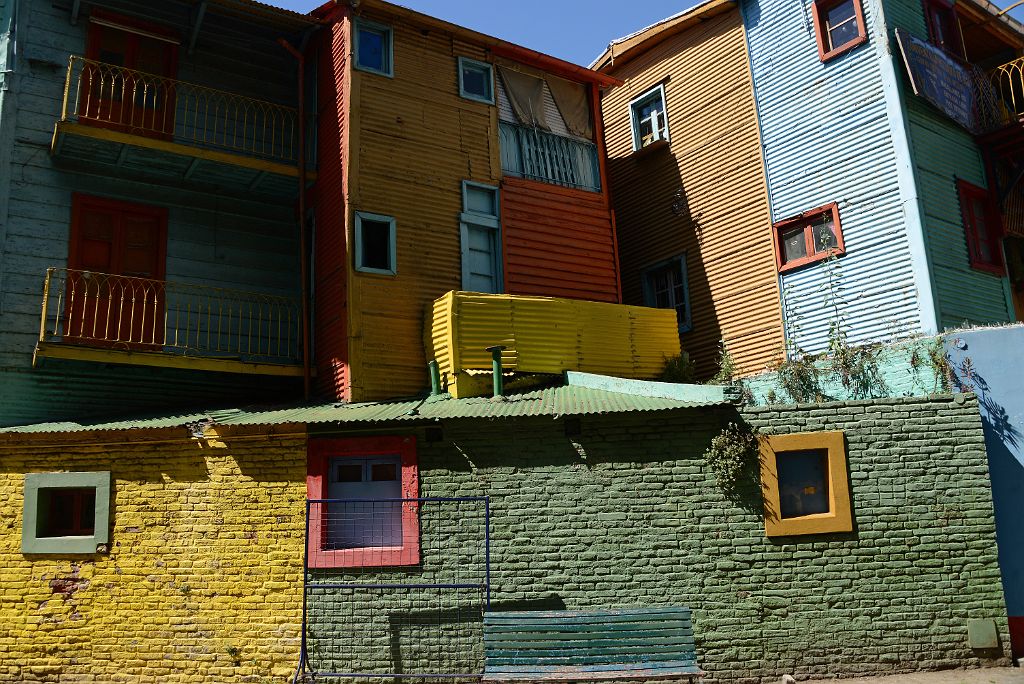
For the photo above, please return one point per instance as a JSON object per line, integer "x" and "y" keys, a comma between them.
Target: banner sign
{"x": 941, "y": 80}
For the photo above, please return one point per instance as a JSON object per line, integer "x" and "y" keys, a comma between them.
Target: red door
{"x": 115, "y": 290}
{"x": 126, "y": 84}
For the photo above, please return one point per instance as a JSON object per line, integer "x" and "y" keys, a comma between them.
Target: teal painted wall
{"x": 627, "y": 514}
{"x": 241, "y": 243}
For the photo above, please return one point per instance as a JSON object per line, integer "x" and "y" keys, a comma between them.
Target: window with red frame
{"x": 983, "y": 228}
{"x": 363, "y": 511}
{"x": 943, "y": 29}
{"x": 67, "y": 512}
{"x": 812, "y": 236}
{"x": 839, "y": 25}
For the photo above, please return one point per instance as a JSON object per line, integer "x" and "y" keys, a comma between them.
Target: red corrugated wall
{"x": 557, "y": 242}
{"x": 329, "y": 198}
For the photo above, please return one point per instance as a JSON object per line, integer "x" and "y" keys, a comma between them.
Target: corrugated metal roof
{"x": 567, "y": 400}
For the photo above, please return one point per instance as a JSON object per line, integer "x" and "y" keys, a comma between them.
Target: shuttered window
{"x": 982, "y": 227}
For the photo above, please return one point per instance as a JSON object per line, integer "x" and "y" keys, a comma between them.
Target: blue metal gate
{"x": 395, "y": 588}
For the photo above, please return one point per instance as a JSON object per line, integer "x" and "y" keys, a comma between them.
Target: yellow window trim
{"x": 839, "y": 518}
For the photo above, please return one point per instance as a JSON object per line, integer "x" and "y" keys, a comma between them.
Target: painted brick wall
{"x": 627, "y": 514}
{"x": 206, "y": 558}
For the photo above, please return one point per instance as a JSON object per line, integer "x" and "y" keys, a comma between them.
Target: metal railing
{"x": 531, "y": 153}
{"x": 141, "y": 103}
{"x": 1008, "y": 81}
{"x": 140, "y": 314}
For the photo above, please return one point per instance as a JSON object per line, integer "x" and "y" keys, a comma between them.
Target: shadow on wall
{"x": 990, "y": 363}
{"x": 654, "y": 226}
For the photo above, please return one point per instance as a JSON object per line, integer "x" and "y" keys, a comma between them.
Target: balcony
{"x": 545, "y": 335}
{"x": 528, "y": 152}
{"x": 176, "y": 132}
{"x": 90, "y": 316}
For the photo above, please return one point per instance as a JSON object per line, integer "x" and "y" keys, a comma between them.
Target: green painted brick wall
{"x": 627, "y": 514}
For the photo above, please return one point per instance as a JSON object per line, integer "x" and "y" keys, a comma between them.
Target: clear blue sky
{"x": 576, "y": 30}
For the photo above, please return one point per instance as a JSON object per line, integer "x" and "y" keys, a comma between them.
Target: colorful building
{"x": 887, "y": 216}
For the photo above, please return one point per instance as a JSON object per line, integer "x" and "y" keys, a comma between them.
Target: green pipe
{"x": 435, "y": 378}
{"x": 499, "y": 384}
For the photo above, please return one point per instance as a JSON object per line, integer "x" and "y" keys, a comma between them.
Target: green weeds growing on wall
{"x": 734, "y": 456}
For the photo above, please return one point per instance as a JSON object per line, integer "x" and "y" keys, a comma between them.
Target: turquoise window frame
{"x": 484, "y": 66}
{"x": 392, "y": 243}
{"x": 32, "y": 543}
{"x": 389, "y": 50}
{"x": 686, "y": 321}
{"x": 655, "y": 93}
{"x": 490, "y": 221}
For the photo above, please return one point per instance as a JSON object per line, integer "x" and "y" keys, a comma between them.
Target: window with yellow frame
{"x": 806, "y": 484}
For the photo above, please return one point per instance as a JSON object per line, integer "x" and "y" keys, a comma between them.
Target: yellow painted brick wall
{"x": 204, "y": 579}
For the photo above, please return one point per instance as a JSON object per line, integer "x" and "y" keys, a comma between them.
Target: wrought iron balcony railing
{"x": 130, "y": 101}
{"x": 139, "y": 314}
{"x": 531, "y": 153}
{"x": 1008, "y": 81}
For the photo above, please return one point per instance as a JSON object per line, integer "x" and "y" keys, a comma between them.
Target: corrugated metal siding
{"x": 944, "y": 152}
{"x": 715, "y": 158}
{"x": 211, "y": 240}
{"x": 414, "y": 142}
{"x": 330, "y": 260}
{"x": 558, "y": 242}
{"x": 548, "y": 335}
{"x": 827, "y": 138}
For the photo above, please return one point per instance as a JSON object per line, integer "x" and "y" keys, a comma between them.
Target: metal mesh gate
{"x": 395, "y": 587}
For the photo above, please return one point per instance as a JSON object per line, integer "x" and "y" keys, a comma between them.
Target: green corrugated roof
{"x": 567, "y": 400}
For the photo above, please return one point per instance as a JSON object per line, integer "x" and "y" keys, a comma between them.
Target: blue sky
{"x": 576, "y": 30}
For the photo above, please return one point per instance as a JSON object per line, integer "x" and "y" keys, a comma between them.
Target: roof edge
{"x": 709, "y": 394}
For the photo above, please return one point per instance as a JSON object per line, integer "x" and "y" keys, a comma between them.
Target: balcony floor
{"x": 168, "y": 162}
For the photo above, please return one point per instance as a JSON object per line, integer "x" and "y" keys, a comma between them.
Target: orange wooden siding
{"x": 715, "y": 158}
{"x": 328, "y": 199}
{"x": 557, "y": 242}
{"x": 414, "y": 141}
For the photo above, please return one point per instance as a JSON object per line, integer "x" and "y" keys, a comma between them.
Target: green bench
{"x": 621, "y": 643}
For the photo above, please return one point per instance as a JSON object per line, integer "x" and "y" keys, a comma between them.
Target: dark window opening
{"x": 376, "y": 245}
{"x": 67, "y": 512}
{"x": 803, "y": 483}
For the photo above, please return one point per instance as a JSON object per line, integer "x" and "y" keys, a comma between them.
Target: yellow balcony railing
{"x": 122, "y": 313}
{"x": 131, "y": 101}
{"x": 546, "y": 335}
{"x": 1008, "y": 81}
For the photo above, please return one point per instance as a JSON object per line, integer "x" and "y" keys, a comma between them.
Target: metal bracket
{"x": 197, "y": 23}
{"x": 76, "y": 8}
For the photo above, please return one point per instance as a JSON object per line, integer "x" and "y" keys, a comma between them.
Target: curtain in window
{"x": 573, "y": 104}
{"x": 526, "y": 94}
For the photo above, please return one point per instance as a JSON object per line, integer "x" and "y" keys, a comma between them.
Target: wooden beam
{"x": 52, "y": 350}
{"x": 197, "y": 22}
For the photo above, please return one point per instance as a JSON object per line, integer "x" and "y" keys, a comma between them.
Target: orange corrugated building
{"x": 448, "y": 160}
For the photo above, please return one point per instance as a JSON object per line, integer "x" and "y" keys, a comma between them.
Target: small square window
{"x": 649, "y": 118}
{"x": 665, "y": 287}
{"x": 982, "y": 227}
{"x": 805, "y": 484}
{"x": 839, "y": 25}
{"x": 808, "y": 238}
{"x": 374, "y": 47}
{"x": 66, "y": 513}
{"x": 943, "y": 27}
{"x": 375, "y": 244}
{"x": 476, "y": 80}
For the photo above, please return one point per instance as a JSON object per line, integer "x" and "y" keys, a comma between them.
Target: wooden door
{"x": 115, "y": 291}
{"x": 127, "y": 84}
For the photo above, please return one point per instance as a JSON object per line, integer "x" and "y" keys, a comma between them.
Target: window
{"x": 806, "y": 485}
{"x": 481, "y": 239}
{"x": 665, "y": 287}
{"x": 476, "y": 80}
{"x": 363, "y": 510}
{"x": 374, "y": 47}
{"x": 649, "y": 118}
{"x": 810, "y": 237}
{"x": 66, "y": 513}
{"x": 839, "y": 25}
{"x": 943, "y": 27}
{"x": 983, "y": 228}
{"x": 375, "y": 244}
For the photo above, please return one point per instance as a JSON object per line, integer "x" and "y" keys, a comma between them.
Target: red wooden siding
{"x": 329, "y": 199}
{"x": 557, "y": 242}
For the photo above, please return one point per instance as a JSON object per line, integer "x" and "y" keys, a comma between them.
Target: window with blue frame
{"x": 374, "y": 48}
{"x": 665, "y": 287}
{"x": 480, "y": 225}
{"x": 476, "y": 80}
{"x": 376, "y": 250}
{"x": 649, "y": 118}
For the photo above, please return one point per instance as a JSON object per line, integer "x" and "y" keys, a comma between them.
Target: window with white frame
{"x": 481, "y": 239}
{"x": 665, "y": 287}
{"x": 374, "y": 47}
{"x": 476, "y": 80}
{"x": 375, "y": 244}
{"x": 649, "y": 118}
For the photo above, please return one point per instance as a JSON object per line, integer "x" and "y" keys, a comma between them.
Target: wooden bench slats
{"x": 538, "y": 644}
{"x": 626, "y": 632}
{"x": 581, "y": 617}
{"x": 577, "y": 657}
{"x": 658, "y": 670}
{"x": 631, "y": 613}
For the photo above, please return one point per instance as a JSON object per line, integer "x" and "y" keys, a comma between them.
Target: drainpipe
{"x": 499, "y": 381}
{"x": 303, "y": 241}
